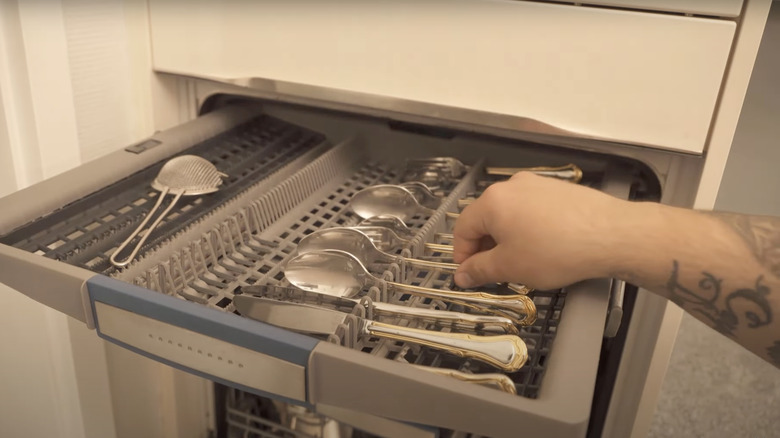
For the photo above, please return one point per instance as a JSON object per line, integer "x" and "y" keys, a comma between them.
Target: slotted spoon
{"x": 185, "y": 175}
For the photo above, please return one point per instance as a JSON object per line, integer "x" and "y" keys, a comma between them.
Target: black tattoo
{"x": 704, "y": 301}
{"x": 773, "y": 353}
{"x": 760, "y": 233}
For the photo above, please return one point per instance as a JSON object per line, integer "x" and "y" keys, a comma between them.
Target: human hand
{"x": 538, "y": 231}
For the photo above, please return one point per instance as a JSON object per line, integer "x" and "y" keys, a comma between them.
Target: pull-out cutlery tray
{"x": 289, "y": 176}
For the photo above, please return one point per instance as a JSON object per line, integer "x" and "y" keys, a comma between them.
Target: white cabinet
{"x": 632, "y": 77}
{"x": 719, "y": 8}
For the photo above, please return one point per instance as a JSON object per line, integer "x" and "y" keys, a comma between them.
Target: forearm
{"x": 722, "y": 268}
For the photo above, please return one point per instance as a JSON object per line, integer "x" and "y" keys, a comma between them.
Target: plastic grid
{"x": 240, "y": 254}
{"x": 86, "y": 232}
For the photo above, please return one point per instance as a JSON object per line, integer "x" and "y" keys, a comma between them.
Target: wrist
{"x": 629, "y": 228}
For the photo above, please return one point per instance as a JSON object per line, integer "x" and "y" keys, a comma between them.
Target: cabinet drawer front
{"x": 719, "y": 8}
{"x": 633, "y": 77}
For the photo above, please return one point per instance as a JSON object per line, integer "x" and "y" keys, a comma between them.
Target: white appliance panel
{"x": 633, "y": 77}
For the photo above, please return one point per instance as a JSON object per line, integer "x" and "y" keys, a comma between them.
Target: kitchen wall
{"x": 75, "y": 83}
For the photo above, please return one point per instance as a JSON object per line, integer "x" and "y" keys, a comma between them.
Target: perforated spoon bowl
{"x": 185, "y": 175}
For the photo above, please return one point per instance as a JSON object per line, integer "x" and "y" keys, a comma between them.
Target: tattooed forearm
{"x": 725, "y": 310}
{"x": 760, "y": 233}
{"x": 773, "y": 352}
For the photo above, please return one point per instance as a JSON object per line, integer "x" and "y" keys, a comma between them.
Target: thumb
{"x": 480, "y": 268}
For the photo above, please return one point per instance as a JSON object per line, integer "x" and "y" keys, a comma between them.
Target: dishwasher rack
{"x": 252, "y": 246}
{"x": 219, "y": 245}
{"x": 86, "y": 232}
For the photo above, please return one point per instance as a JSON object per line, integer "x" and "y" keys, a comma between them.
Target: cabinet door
{"x": 719, "y": 8}
{"x": 632, "y": 77}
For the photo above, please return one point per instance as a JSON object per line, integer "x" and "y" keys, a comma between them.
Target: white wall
{"x": 75, "y": 83}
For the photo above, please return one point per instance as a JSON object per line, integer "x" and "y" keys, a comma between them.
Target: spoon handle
{"x": 444, "y": 318}
{"x": 445, "y": 236}
{"x": 128, "y": 259}
{"x": 505, "y": 352}
{"x": 569, "y": 172}
{"x": 491, "y": 380}
{"x": 431, "y": 264}
{"x": 519, "y": 308}
{"x": 439, "y": 247}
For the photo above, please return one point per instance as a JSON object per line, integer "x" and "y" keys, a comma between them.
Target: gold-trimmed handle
{"x": 439, "y": 248}
{"x": 519, "y": 308}
{"x": 445, "y": 318}
{"x": 490, "y": 380}
{"x": 569, "y": 172}
{"x": 505, "y": 352}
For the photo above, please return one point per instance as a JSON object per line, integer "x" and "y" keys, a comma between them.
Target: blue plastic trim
{"x": 244, "y": 332}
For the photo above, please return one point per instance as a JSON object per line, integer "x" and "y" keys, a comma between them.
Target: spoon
{"x": 454, "y": 168}
{"x": 185, "y": 175}
{"x": 341, "y": 274}
{"x": 389, "y": 199}
{"x": 388, "y": 239}
{"x": 397, "y": 225}
{"x": 423, "y": 194}
{"x": 360, "y": 246}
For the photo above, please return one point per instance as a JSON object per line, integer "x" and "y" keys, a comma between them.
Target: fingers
{"x": 470, "y": 231}
{"x": 480, "y": 268}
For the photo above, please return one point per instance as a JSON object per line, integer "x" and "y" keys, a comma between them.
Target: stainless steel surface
{"x": 505, "y": 352}
{"x": 341, "y": 274}
{"x": 615, "y": 312}
{"x": 491, "y": 380}
{"x": 389, "y": 199}
{"x": 186, "y": 175}
{"x": 358, "y": 244}
{"x": 441, "y": 318}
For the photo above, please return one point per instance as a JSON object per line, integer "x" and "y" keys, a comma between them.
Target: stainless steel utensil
{"x": 341, "y": 274}
{"x": 185, "y": 175}
{"x": 423, "y": 194}
{"x": 398, "y": 226}
{"x": 442, "y": 318}
{"x": 389, "y": 199}
{"x": 385, "y": 238}
{"x": 358, "y": 244}
{"x": 506, "y": 352}
{"x": 449, "y": 167}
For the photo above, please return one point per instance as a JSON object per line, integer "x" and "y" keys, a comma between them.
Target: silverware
{"x": 442, "y": 318}
{"x": 358, "y": 244}
{"x": 389, "y": 199}
{"x": 341, "y": 274}
{"x": 569, "y": 172}
{"x": 423, "y": 194}
{"x": 185, "y": 175}
{"x": 452, "y": 168}
{"x": 398, "y": 226}
{"x": 506, "y": 352}
{"x": 385, "y": 238}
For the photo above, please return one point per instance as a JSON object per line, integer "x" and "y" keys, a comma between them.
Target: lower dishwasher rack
{"x": 174, "y": 304}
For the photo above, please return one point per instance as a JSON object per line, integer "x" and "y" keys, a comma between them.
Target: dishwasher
{"x": 292, "y": 170}
{"x": 291, "y": 156}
